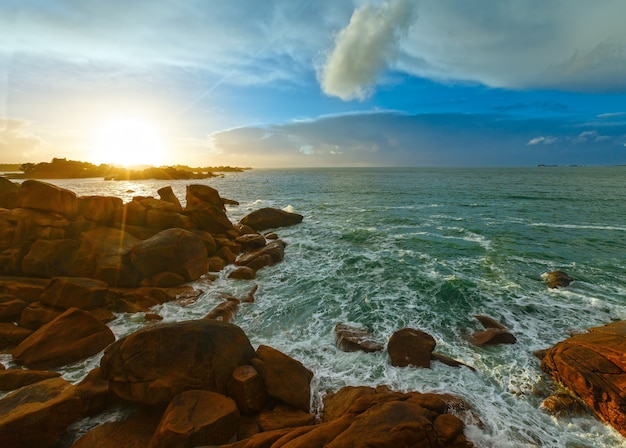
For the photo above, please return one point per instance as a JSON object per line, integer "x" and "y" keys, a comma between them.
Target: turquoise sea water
{"x": 428, "y": 248}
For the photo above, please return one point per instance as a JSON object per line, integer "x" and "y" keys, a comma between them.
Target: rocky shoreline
{"x": 70, "y": 264}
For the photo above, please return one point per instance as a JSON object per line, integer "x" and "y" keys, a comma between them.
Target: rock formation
{"x": 593, "y": 367}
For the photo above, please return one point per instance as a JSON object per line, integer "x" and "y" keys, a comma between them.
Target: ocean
{"x": 426, "y": 248}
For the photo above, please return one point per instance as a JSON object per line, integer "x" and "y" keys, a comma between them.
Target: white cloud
{"x": 365, "y": 48}
{"x": 572, "y": 44}
{"x": 565, "y": 44}
{"x": 542, "y": 140}
{"x": 611, "y": 115}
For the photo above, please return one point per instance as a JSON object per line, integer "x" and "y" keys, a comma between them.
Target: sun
{"x": 128, "y": 141}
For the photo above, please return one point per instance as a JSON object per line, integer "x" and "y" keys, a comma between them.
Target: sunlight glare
{"x": 128, "y": 141}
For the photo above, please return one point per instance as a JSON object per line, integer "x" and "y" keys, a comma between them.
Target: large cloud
{"x": 366, "y": 47}
{"x": 573, "y": 45}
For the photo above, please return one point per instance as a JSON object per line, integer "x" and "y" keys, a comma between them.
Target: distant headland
{"x": 71, "y": 169}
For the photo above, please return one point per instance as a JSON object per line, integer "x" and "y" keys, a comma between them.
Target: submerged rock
{"x": 557, "y": 279}
{"x": 352, "y": 339}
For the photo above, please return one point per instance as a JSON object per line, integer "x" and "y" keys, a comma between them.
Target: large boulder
{"x": 285, "y": 378}
{"x": 72, "y": 336}
{"x": 36, "y": 415}
{"x": 103, "y": 210}
{"x": 205, "y": 208}
{"x": 196, "y": 418}
{"x": 203, "y": 194}
{"x": 270, "y": 218}
{"x": 155, "y": 364}
{"x": 593, "y": 366}
{"x": 172, "y": 250}
{"x": 21, "y": 225}
{"x": 50, "y": 258}
{"x": 74, "y": 292}
{"x": 104, "y": 254}
{"x": 410, "y": 347}
{"x": 42, "y": 196}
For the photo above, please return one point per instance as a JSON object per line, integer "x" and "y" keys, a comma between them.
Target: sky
{"x": 314, "y": 83}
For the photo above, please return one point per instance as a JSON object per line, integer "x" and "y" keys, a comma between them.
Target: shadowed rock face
{"x": 593, "y": 366}
{"x": 155, "y": 364}
{"x": 176, "y": 250}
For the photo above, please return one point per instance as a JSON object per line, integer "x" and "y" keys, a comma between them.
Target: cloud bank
{"x": 394, "y": 139}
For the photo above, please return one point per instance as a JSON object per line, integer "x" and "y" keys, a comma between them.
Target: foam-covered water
{"x": 427, "y": 248}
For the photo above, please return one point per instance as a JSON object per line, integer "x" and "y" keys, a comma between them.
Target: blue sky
{"x": 285, "y": 83}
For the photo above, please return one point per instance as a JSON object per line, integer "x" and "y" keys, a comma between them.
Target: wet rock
{"x": 557, "y": 279}
{"x": 270, "y": 218}
{"x": 158, "y": 362}
{"x": 285, "y": 378}
{"x": 172, "y": 250}
{"x": 410, "y": 347}
{"x": 492, "y": 336}
{"x": 194, "y": 418}
{"x": 272, "y": 253}
{"x": 36, "y": 415}
{"x": 564, "y": 405}
{"x": 352, "y": 339}
{"x": 72, "y": 336}
{"x": 243, "y": 273}
{"x": 593, "y": 367}
{"x": 251, "y": 241}
{"x": 489, "y": 322}
{"x": 225, "y": 311}
{"x": 449, "y": 361}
